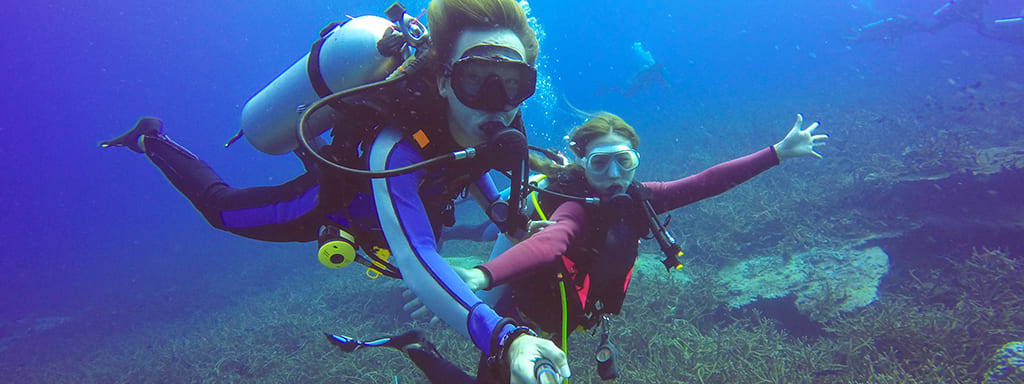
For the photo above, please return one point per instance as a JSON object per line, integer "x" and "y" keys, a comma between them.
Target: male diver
{"x": 403, "y": 148}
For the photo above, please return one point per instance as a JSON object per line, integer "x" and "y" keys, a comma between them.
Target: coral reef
{"x": 1007, "y": 366}
{"x": 824, "y": 282}
{"x": 939, "y": 201}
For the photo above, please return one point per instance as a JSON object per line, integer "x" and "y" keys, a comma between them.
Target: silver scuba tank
{"x": 345, "y": 57}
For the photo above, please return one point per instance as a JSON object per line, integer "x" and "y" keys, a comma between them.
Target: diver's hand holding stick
{"x": 544, "y": 372}
{"x": 524, "y": 354}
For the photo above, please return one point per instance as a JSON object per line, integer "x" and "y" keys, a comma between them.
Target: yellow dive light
{"x": 337, "y": 247}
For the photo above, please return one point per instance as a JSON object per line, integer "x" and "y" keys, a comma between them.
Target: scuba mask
{"x": 493, "y": 84}
{"x": 609, "y": 168}
{"x": 600, "y": 159}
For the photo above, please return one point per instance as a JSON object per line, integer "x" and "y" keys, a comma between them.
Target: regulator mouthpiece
{"x": 619, "y": 202}
{"x": 505, "y": 148}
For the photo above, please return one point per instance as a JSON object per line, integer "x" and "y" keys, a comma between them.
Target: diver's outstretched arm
{"x": 724, "y": 176}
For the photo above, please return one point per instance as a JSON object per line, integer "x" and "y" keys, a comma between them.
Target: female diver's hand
{"x": 799, "y": 142}
{"x": 416, "y": 308}
{"x": 474, "y": 278}
{"x": 536, "y": 226}
{"x": 525, "y": 350}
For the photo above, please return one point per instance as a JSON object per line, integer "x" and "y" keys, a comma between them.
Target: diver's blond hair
{"x": 599, "y": 125}
{"x": 602, "y": 124}
{"x": 448, "y": 18}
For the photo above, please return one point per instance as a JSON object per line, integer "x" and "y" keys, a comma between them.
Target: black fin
{"x": 145, "y": 126}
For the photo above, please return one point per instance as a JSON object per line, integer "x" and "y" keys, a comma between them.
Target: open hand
{"x": 474, "y": 278}
{"x": 416, "y": 308}
{"x": 800, "y": 142}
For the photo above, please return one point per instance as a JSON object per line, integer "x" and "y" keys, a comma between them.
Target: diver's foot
{"x": 424, "y": 348}
{"x": 407, "y": 340}
{"x": 412, "y": 343}
{"x": 146, "y": 126}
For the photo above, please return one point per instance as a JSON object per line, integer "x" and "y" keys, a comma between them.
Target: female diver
{"x": 588, "y": 250}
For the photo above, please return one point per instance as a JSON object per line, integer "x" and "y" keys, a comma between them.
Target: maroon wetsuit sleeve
{"x": 539, "y": 250}
{"x": 712, "y": 181}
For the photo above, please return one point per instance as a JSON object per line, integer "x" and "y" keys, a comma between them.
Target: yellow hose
{"x": 561, "y": 283}
{"x": 565, "y": 316}
{"x": 533, "y": 196}
{"x": 536, "y": 206}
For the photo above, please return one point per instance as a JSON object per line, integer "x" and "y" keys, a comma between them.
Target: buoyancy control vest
{"x": 415, "y": 108}
{"x": 595, "y": 269}
{"x": 360, "y": 76}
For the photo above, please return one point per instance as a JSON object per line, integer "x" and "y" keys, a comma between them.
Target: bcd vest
{"x": 595, "y": 269}
{"x": 414, "y": 106}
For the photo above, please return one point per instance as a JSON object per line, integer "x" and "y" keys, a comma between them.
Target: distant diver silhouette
{"x": 960, "y": 11}
{"x": 1007, "y": 29}
{"x": 953, "y": 12}
{"x": 972, "y": 13}
{"x": 649, "y": 78}
{"x": 886, "y": 30}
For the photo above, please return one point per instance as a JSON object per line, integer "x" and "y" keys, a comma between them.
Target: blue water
{"x": 86, "y": 230}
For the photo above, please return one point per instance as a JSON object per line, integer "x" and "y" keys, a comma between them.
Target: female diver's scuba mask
{"x": 611, "y": 183}
{"x": 494, "y": 83}
{"x": 600, "y": 159}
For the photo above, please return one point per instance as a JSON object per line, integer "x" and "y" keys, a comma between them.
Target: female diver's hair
{"x": 599, "y": 125}
{"x": 448, "y": 18}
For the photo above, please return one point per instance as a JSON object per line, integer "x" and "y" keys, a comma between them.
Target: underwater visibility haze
{"x": 898, "y": 257}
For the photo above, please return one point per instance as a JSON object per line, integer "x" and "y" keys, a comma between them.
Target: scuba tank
{"x": 350, "y": 60}
{"x": 345, "y": 56}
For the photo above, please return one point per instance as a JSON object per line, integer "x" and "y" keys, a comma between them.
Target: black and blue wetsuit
{"x": 404, "y": 213}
